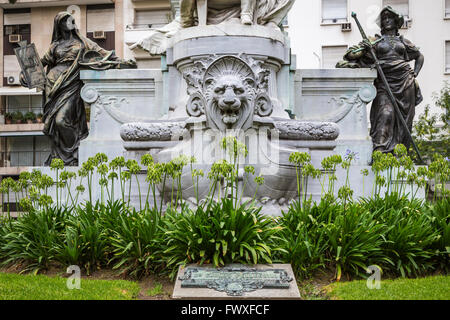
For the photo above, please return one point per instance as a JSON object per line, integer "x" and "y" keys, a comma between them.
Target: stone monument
{"x": 225, "y": 77}
{"x": 231, "y": 79}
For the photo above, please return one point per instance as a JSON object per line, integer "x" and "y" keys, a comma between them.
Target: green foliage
{"x": 219, "y": 235}
{"x": 403, "y": 237}
{"x": 432, "y": 131}
{"x": 157, "y": 290}
{"x": 323, "y": 235}
{"x": 17, "y": 116}
{"x": 410, "y": 236}
{"x": 8, "y": 115}
{"x": 134, "y": 241}
{"x": 33, "y": 238}
{"x": 85, "y": 243}
{"x": 30, "y": 116}
{"x": 408, "y": 241}
{"x": 355, "y": 240}
{"x": 304, "y": 240}
{"x": 439, "y": 214}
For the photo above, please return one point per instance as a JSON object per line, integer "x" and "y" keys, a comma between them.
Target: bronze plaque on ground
{"x": 236, "y": 281}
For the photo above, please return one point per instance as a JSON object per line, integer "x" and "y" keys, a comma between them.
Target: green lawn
{"x": 430, "y": 288}
{"x": 41, "y": 287}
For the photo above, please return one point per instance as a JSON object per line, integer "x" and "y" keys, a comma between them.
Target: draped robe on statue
{"x": 64, "y": 112}
{"x": 266, "y": 10}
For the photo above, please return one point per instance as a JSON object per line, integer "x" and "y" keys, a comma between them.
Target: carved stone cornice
{"x": 157, "y": 131}
{"x": 307, "y": 130}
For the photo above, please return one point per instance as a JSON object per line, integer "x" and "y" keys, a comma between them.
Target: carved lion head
{"x": 229, "y": 94}
{"x": 230, "y": 89}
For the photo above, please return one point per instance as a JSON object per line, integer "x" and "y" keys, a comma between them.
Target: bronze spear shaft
{"x": 386, "y": 84}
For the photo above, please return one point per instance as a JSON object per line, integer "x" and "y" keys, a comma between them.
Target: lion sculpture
{"x": 228, "y": 92}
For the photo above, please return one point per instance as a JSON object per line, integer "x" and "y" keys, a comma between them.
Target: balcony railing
{"x": 144, "y": 26}
{"x": 23, "y": 158}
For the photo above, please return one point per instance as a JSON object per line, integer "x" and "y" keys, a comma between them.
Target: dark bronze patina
{"x": 30, "y": 63}
{"x": 235, "y": 280}
{"x": 398, "y": 91}
{"x": 64, "y": 113}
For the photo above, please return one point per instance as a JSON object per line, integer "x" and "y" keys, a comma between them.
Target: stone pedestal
{"x": 262, "y": 46}
{"x": 117, "y": 97}
{"x": 340, "y": 96}
{"x": 225, "y": 80}
{"x": 165, "y": 113}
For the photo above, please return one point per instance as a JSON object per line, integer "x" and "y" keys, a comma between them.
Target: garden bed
{"x": 392, "y": 231}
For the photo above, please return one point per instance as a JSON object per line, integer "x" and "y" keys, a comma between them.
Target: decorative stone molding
{"x": 346, "y": 103}
{"x": 304, "y": 130}
{"x": 263, "y": 105}
{"x": 89, "y": 94}
{"x": 367, "y": 93}
{"x": 158, "y": 131}
{"x": 196, "y": 105}
{"x": 116, "y": 97}
{"x": 113, "y": 105}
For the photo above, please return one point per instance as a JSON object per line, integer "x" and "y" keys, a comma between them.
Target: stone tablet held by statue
{"x": 31, "y": 66}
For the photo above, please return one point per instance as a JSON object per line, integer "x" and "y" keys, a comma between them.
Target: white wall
{"x": 429, "y": 31}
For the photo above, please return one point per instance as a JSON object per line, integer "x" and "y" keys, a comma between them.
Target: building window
{"x": 24, "y": 103}
{"x": 25, "y": 151}
{"x": 447, "y": 9}
{"x": 152, "y": 18}
{"x": 100, "y": 25}
{"x": 332, "y": 55}
{"x": 19, "y": 29}
{"x": 401, "y": 6}
{"x": 447, "y": 56}
{"x": 334, "y": 11}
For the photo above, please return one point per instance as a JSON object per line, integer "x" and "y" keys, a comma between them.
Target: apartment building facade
{"x": 112, "y": 24}
{"x": 322, "y": 30}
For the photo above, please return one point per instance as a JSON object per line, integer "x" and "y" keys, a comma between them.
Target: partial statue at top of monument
{"x": 262, "y": 12}
{"x": 268, "y": 13}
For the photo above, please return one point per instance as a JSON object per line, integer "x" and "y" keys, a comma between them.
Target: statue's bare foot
{"x": 246, "y": 19}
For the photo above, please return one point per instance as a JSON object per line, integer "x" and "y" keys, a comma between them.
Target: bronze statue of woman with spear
{"x": 393, "y": 109}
